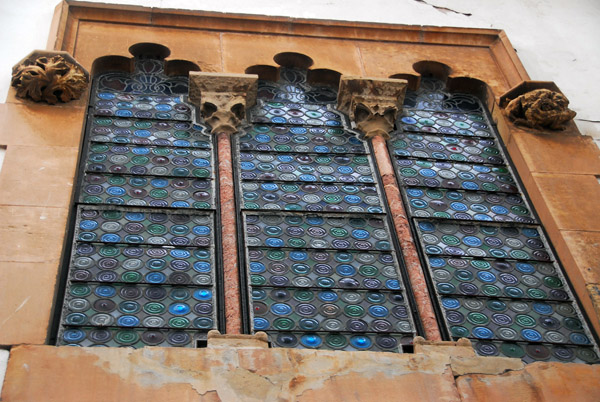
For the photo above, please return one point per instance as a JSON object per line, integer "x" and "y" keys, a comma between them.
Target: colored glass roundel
{"x": 306, "y": 168}
{"x": 334, "y": 197}
{"x": 172, "y": 192}
{"x": 323, "y": 271}
{"x": 495, "y": 277}
{"x": 426, "y": 202}
{"x": 464, "y": 124}
{"x": 142, "y": 262}
{"x": 296, "y": 114}
{"x": 456, "y": 176}
{"x": 115, "y": 104}
{"x": 148, "y": 132}
{"x": 317, "y": 232}
{"x": 447, "y": 148}
{"x": 150, "y": 160}
{"x": 300, "y": 139}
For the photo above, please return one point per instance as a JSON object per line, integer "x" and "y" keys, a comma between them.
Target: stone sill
{"x": 243, "y": 368}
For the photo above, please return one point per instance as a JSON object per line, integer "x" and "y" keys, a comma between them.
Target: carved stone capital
{"x": 49, "y": 76}
{"x": 372, "y": 103}
{"x": 223, "y": 98}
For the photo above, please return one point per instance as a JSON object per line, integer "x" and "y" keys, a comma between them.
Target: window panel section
{"x": 323, "y": 268}
{"x": 143, "y": 260}
{"x": 494, "y": 275}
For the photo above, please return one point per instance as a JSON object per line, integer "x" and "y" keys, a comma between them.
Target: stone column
{"x": 222, "y": 100}
{"x": 373, "y": 105}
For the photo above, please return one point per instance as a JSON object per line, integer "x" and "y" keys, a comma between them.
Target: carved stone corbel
{"x": 372, "y": 103}
{"x": 540, "y": 109}
{"x": 49, "y": 76}
{"x": 223, "y": 98}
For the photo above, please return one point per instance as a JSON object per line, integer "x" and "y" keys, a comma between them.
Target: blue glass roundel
{"x": 88, "y": 225}
{"x": 128, "y": 321}
{"x": 345, "y": 270}
{"x": 360, "y": 342}
{"x": 135, "y": 216}
{"x": 159, "y": 183}
{"x": 179, "y": 309}
{"x": 378, "y": 311}
{"x": 298, "y": 255}
{"x": 482, "y": 332}
{"x": 311, "y": 340}
{"x": 281, "y": 309}
{"x": 105, "y": 291}
{"x": 156, "y": 277}
{"x": 437, "y": 262}
{"x": 257, "y": 267}
{"x": 202, "y": 266}
{"x": 180, "y": 253}
{"x": 485, "y": 276}
{"x": 525, "y": 267}
{"x": 73, "y": 335}
{"x": 328, "y": 296}
{"x": 450, "y": 303}
{"x": 202, "y": 294}
{"x": 531, "y": 335}
{"x": 110, "y": 238}
{"x": 543, "y": 308}
{"x": 260, "y": 323}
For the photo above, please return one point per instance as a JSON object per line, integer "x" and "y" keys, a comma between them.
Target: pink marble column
{"x": 233, "y": 323}
{"x": 222, "y": 100}
{"x": 409, "y": 250}
{"x": 373, "y": 104}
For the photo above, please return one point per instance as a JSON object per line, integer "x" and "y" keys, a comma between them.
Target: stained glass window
{"x": 142, "y": 266}
{"x": 494, "y": 275}
{"x": 322, "y": 265}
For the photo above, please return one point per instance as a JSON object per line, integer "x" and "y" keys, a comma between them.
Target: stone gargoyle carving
{"x": 540, "y": 109}
{"x": 49, "y": 78}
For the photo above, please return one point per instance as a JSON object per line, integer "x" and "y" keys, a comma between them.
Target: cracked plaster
{"x": 437, "y": 371}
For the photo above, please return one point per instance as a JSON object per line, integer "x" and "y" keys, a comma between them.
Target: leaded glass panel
{"x": 322, "y": 264}
{"x": 143, "y": 259}
{"x": 493, "y": 272}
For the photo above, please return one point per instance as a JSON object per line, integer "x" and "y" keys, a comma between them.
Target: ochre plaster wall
{"x": 42, "y": 148}
{"x": 245, "y": 370}
{"x": 36, "y": 182}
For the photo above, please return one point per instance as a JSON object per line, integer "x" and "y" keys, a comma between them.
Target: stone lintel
{"x": 49, "y": 76}
{"x": 372, "y": 103}
{"x": 223, "y": 98}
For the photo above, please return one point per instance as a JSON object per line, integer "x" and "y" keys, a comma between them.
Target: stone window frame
{"x": 71, "y": 15}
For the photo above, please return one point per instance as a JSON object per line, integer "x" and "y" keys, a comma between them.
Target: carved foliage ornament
{"x": 223, "y": 112}
{"x": 49, "y": 78}
{"x": 540, "y": 109}
{"x": 374, "y": 116}
{"x": 372, "y": 103}
{"x": 223, "y": 98}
